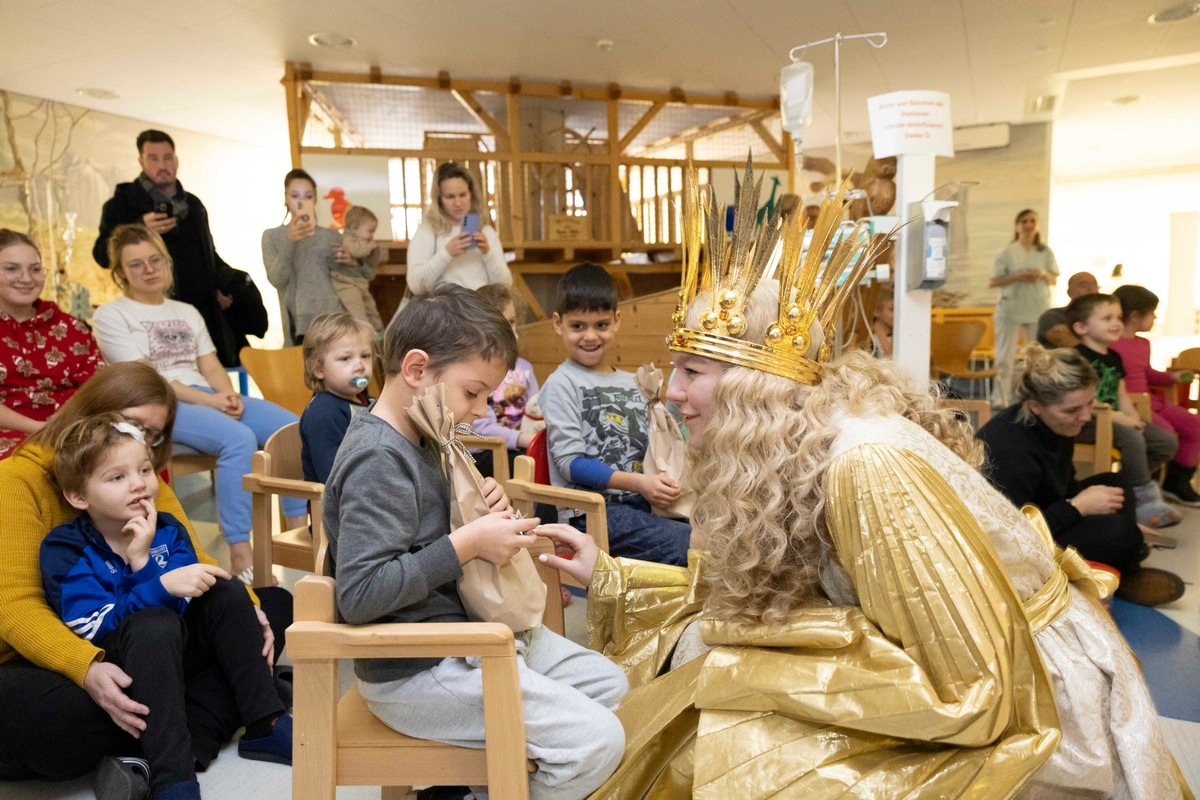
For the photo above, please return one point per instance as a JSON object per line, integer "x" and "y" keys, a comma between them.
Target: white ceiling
{"x": 214, "y": 65}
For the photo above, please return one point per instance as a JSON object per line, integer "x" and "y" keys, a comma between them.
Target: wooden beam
{"x": 638, "y": 126}
{"x": 516, "y": 166}
{"x": 538, "y": 158}
{"x": 764, "y": 134}
{"x": 475, "y": 109}
{"x": 339, "y": 125}
{"x": 444, "y": 81}
{"x": 291, "y": 91}
{"x": 614, "y": 170}
{"x": 735, "y": 120}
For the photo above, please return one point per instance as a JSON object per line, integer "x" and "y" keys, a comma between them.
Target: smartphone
{"x": 164, "y": 207}
{"x": 305, "y": 210}
{"x": 470, "y": 225}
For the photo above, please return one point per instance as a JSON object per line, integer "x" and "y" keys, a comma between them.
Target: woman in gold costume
{"x": 863, "y": 615}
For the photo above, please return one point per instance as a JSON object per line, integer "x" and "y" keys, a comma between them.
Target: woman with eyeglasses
{"x": 146, "y": 325}
{"x": 65, "y": 706}
{"x": 45, "y": 353}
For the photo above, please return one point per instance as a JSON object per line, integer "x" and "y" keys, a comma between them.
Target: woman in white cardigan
{"x": 441, "y": 252}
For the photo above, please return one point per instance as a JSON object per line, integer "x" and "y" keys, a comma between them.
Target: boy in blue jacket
{"x": 127, "y": 578}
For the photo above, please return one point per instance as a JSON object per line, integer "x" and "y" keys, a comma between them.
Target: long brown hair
{"x": 1037, "y": 237}
{"x": 114, "y": 388}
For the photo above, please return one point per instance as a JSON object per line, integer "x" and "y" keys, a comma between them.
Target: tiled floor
{"x": 231, "y": 777}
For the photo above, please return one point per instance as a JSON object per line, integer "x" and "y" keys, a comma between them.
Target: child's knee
{"x": 156, "y": 626}
{"x": 612, "y": 685}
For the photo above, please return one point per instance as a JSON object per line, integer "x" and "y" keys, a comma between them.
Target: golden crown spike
{"x": 730, "y": 266}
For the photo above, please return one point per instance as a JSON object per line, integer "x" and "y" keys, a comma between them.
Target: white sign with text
{"x": 911, "y": 123}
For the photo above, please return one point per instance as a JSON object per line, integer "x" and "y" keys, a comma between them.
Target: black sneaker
{"x": 122, "y": 778}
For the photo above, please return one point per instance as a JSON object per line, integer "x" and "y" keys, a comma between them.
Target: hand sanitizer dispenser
{"x": 929, "y": 254}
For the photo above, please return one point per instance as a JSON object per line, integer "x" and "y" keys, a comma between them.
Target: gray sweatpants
{"x": 1142, "y": 452}
{"x": 568, "y": 694}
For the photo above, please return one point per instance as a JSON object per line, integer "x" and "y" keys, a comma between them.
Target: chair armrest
{"x": 288, "y": 487}
{"x": 499, "y": 450}
{"x": 554, "y": 495}
{"x": 322, "y": 640}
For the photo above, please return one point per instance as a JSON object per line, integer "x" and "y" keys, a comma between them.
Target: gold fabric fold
{"x": 931, "y": 688}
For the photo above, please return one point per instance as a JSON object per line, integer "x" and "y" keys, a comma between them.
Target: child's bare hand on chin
{"x": 141, "y": 531}
{"x": 495, "y": 538}
{"x": 494, "y": 496}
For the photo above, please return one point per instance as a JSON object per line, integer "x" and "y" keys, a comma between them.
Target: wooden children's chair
{"x": 977, "y": 412}
{"x": 279, "y": 375}
{"x": 341, "y": 743}
{"x": 276, "y": 472}
{"x": 497, "y": 447}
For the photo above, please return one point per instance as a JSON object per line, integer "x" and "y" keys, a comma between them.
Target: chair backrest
{"x": 283, "y": 446}
{"x": 951, "y": 344}
{"x": 279, "y": 375}
{"x": 1188, "y": 359}
{"x": 1141, "y": 404}
{"x": 1093, "y": 459}
{"x": 540, "y": 453}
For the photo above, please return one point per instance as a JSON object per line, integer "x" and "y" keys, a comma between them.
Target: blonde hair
{"x": 357, "y": 215}
{"x": 124, "y": 236}
{"x": 435, "y": 216}
{"x": 1049, "y": 375}
{"x": 763, "y": 464}
{"x": 322, "y": 333}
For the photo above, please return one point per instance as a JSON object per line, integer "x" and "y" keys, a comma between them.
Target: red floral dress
{"x": 43, "y": 360}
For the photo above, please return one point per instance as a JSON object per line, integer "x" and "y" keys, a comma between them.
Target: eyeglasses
{"x": 157, "y": 262}
{"x": 13, "y": 272}
{"x": 154, "y": 436}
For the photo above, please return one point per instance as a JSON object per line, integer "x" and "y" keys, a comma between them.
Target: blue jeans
{"x": 634, "y": 532}
{"x": 233, "y": 442}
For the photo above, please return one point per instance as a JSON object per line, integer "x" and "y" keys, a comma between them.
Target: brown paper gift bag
{"x": 665, "y": 449}
{"x": 513, "y": 593}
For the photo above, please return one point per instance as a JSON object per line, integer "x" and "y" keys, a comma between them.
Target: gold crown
{"x": 731, "y": 266}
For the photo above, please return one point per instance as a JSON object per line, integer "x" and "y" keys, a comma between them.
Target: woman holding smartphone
{"x": 454, "y": 244}
{"x": 299, "y": 256}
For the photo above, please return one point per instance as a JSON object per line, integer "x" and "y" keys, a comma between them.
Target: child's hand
{"x": 1132, "y": 420}
{"x": 575, "y": 552}
{"x": 495, "y": 538}
{"x": 141, "y": 529}
{"x": 659, "y": 490}
{"x": 494, "y": 496}
{"x": 192, "y": 580}
{"x": 231, "y": 404}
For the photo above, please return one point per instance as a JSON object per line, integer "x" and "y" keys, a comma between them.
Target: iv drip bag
{"x": 796, "y": 97}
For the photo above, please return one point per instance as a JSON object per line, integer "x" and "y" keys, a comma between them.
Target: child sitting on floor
{"x": 339, "y": 352}
{"x": 127, "y": 579}
{"x": 387, "y": 512}
{"x": 1138, "y": 307}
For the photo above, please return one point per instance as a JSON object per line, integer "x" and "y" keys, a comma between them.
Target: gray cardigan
{"x": 300, "y": 271}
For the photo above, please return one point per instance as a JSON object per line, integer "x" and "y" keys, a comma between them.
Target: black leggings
{"x": 1112, "y": 539}
{"x": 51, "y": 728}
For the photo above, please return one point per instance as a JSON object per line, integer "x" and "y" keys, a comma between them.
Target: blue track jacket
{"x": 93, "y": 589}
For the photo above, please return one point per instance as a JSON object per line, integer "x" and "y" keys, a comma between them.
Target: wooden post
{"x": 291, "y": 90}
{"x": 516, "y": 166}
{"x": 615, "y": 194}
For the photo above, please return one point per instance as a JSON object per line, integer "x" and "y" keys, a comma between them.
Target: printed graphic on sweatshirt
{"x": 172, "y": 344}
{"x": 613, "y": 420}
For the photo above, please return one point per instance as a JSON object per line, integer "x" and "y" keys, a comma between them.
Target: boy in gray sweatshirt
{"x": 596, "y": 425}
{"x": 387, "y": 513}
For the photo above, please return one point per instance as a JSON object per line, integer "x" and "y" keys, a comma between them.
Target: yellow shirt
{"x": 32, "y": 505}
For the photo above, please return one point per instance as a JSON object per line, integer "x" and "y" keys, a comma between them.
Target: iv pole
{"x": 876, "y": 40}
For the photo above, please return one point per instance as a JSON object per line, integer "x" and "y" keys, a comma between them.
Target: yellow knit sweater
{"x": 30, "y": 506}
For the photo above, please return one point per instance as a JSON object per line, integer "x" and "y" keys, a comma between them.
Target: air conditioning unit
{"x": 981, "y": 137}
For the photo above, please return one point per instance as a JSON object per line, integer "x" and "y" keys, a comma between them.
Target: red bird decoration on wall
{"x": 338, "y": 207}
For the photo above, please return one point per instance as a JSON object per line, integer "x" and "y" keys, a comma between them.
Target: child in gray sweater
{"x": 387, "y": 513}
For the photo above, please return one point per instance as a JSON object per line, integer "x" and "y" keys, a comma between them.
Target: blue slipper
{"x": 276, "y": 748}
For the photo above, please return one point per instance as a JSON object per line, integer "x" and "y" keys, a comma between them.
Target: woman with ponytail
{"x": 1030, "y": 446}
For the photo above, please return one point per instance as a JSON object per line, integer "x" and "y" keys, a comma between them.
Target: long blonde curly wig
{"x": 763, "y": 463}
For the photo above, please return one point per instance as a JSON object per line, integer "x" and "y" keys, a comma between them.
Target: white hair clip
{"x": 131, "y": 430}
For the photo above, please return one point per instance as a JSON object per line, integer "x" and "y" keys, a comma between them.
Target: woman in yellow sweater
{"x": 65, "y": 707}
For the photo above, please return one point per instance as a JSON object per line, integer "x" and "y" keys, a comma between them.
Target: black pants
{"x": 52, "y": 729}
{"x": 1112, "y": 539}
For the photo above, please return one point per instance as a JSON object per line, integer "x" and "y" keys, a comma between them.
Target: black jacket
{"x": 1032, "y": 464}
{"x": 199, "y": 271}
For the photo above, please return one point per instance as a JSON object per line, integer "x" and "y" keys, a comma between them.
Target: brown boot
{"x": 1149, "y": 586}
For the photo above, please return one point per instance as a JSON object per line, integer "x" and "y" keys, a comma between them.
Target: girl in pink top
{"x": 1138, "y": 306}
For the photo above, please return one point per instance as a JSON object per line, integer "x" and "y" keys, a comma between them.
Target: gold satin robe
{"x": 931, "y": 687}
